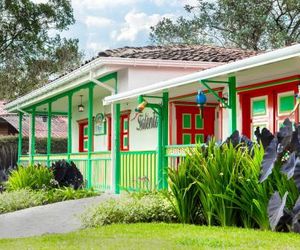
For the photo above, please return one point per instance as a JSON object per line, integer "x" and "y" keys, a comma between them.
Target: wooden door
{"x": 191, "y": 127}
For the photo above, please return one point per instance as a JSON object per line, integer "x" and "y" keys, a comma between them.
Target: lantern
{"x": 80, "y": 106}
{"x": 201, "y": 101}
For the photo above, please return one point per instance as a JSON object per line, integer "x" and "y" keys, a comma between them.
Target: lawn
{"x": 158, "y": 236}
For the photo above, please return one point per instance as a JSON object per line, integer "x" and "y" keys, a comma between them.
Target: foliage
{"x": 67, "y": 174}
{"x": 32, "y": 50}
{"x": 282, "y": 154}
{"x": 151, "y": 207}
{"x": 31, "y": 177}
{"x": 25, "y": 198}
{"x": 247, "y": 24}
{"x": 221, "y": 183}
{"x": 20, "y": 199}
{"x": 157, "y": 236}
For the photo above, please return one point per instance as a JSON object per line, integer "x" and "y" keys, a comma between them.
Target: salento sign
{"x": 147, "y": 121}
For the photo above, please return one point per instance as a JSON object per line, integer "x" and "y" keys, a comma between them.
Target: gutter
{"x": 231, "y": 68}
{"x": 99, "y": 62}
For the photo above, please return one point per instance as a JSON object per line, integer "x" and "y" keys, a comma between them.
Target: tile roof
{"x": 59, "y": 124}
{"x": 205, "y": 53}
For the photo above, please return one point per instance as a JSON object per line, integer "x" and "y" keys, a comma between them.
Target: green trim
{"x": 268, "y": 84}
{"x": 165, "y": 128}
{"x": 72, "y": 91}
{"x": 90, "y": 132}
{"x": 32, "y": 152}
{"x": 215, "y": 94}
{"x": 53, "y": 113}
{"x": 49, "y": 123}
{"x": 232, "y": 102}
{"x": 70, "y": 104}
{"x": 116, "y": 149}
{"x": 20, "y": 141}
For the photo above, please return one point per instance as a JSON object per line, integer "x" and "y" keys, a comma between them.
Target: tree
{"x": 247, "y": 24}
{"x": 32, "y": 51}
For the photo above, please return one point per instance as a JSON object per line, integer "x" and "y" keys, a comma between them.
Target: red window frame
{"x": 82, "y": 137}
{"x": 125, "y": 115}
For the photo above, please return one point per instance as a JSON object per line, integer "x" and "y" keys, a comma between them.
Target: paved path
{"x": 60, "y": 217}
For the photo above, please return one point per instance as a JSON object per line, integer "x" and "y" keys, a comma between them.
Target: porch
{"x": 138, "y": 169}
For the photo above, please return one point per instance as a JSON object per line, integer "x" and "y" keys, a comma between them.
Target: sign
{"x": 100, "y": 124}
{"x": 146, "y": 121}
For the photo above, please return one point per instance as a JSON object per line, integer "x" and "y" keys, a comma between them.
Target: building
{"x": 118, "y": 148}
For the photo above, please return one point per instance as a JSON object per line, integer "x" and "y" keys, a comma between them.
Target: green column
{"x": 49, "y": 121}
{"x": 160, "y": 154}
{"x": 70, "y": 125}
{"x": 20, "y": 136}
{"x": 90, "y": 132}
{"x": 116, "y": 150}
{"x": 32, "y": 148}
{"x": 232, "y": 100}
{"x": 165, "y": 140}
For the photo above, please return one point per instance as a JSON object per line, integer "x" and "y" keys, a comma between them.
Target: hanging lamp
{"x": 201, "y": 101}
{"x": 80, "y": 106}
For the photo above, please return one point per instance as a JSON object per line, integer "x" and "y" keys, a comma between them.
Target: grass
{"x": 158, "y": 236}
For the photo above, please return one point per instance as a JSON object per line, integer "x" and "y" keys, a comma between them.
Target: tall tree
{"x": 247, "y": 24}
{"x": 32, "y": 51}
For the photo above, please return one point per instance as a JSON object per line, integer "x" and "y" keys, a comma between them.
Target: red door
{"x": 267, "y": 107}
{"x": 191, "y": 127}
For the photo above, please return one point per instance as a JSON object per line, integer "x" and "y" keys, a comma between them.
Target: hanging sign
{"x": 100, "y": 124}
{"x": 146, "y": 121}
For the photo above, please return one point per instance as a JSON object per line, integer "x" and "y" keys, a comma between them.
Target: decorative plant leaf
{"x": 265, "y": 137}
{"x": 289, "y": 167}
{"x": 295, "y": 142}
{"x": 234, "y": 139}
{"x": 297, "y": 176}
{"x": 285, "y": 135}
{"x": 269, "y": 160}
{"x": 296, "y": 223}
{"x": 275, "y": 209}
{"x": 296, "y": 208}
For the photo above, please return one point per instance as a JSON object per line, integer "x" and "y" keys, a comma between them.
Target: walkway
{"x": 60, "y": 217}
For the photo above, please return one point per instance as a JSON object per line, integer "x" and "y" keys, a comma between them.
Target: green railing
{"x": 100, "y": 170}
{"x": 176, "y": 154}
{"x": 138, "y": 170}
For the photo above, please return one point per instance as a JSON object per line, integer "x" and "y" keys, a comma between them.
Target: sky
{"x": 106, "y": 24}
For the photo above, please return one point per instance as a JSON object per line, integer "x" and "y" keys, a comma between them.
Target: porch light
{"x": 80, "y": 106}
{"x": 201, "y": 101}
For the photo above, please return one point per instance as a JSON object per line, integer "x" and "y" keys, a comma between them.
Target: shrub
{"x": 25, "y": 198}
{"x": 20, "y": 199}
{"x": 151, "y": 207}
{"x": 67, "y": 174}
{"x": 31, "y": 177}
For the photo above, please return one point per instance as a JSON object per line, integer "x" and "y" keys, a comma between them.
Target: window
{"x": 124, "y": 134}
{"x": 83, "y": 135}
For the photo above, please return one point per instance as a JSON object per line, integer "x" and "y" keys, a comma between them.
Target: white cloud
{"x": 97, "y": 22}
{"x": 96, "y": 47}
{"x": 101, "y": 4}
{"x": 135, "y": 23}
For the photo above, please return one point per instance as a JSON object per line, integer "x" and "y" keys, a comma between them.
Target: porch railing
{"x": 100, "y": 170}
{"x": 175, "y": 154}
{"x": 138, "y": 170}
